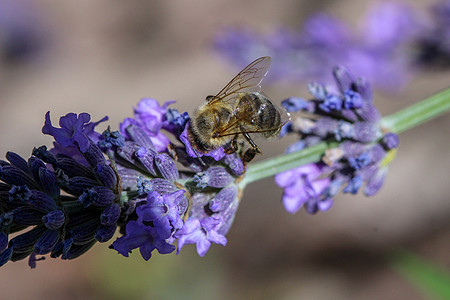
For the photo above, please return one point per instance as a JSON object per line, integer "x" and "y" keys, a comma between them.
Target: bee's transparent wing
{"x": 248, "y": 80}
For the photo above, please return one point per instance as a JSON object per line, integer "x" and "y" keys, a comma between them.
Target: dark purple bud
{"x": 27, "y": 216}
{"x": 47, "y": 242}
{"x": 77, "y": 250}
{"x": 93, "y": 154}
{"x": 15, "y": 176}
{"x": 390, "y": 141}
{"x": 54, "y": 219}
{"x": 35, "y": 164}
{"x": 223, "y": 199}
{"x": 19, "y": 194}
{"x": 127, "y": 151}
{"x": 365, "y": 132}
{"x": 77, "y": 185}
{"x": 17, "y": 161}
{"x": 110, "y": 215}
{"x": 106, "y": 175}
{"x": 26, "y": 241}
{"x": 85, "y": 232}
{"x": 45, "y": 155}
{"x": 216, "y": 177}
{"x": 354, "y": 185}
{"x": 48, "y": 182}
{"x": 105, "y": 232}
{"x": 352, "y": 100}
{"x": 162, "y": 186}
{"x": 343, "y": 78}
{"x": 166, "y": 166}
{"x": 294, "y": 104}
{"x": 41, "y": 201}
{"x": 57, "y": 250}
{"x": 97, "y": 196}
{"x": 234, "y": 163}
{"x": 139, "y": 136}
{"x": 73, "y": 168}
{"x": 3, "y": 241}
{"x": 147, "y": 157}
{"x": 332, "y": 103}
{"x": 317, "y": 90}
{"x": 5, "y": 256}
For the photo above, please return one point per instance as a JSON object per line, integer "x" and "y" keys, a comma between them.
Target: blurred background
{"x": 102, "y": 57}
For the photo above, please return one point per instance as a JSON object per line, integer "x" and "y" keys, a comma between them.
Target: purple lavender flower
{"x": 362, "y": 156}
{"x": 31, "y": 195}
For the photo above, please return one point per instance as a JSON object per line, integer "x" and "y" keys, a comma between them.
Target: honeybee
{"x": 238, "y": 109}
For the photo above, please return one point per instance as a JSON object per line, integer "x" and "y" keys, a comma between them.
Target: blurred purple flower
{"x": 378, "y": 52}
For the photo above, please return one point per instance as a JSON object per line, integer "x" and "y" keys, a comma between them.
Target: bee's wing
{"x": 248, "y": 80}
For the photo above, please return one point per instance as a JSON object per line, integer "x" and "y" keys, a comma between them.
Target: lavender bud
{"x": 106, "y": 175}
{"x": 362, "y": 86}
{"x": 162, "y": 186}
{"x": 352, "y": 100}
{"x": 223, "y": 199}
{"x": 365, "y": 132}
{"x": 369, "y": 113}
{"x": 166, "y": 166}
{"x": 35, "y": 164}
{"x": 234, "y": 163}
{"x": 85, "y": 233}
{"x": 15, "y": 176}
{"x": 46, "y": 156}
{"x": 331, "y": 103}
{"x": 127, "y": 151}
{"x": 110, "y": 215}
{"x": 48, "y": 182}
{"x": 139, "y": 136}
{"x": 325, "y": 126}
{"x": 26, "y": 216}
{"x": 343, "y": 78}
{"x": 128, "y": 177}
{"x": 216, "y": 177}
{"x": 26, "y": 241}
{"x": 390, "y": 141}
{"x": 17, "y": 161}
{"x": 354, "y": 185}
{"x": 47, "y": 242}
{"x": 93, "y": 154}
{"x": 77, "y": 250}
{"x": 73, "y": 168}
{"x": 317, "y": 90}
{"x": 54, "y": 219}
{"x": 41, "y": 201}
{"x": 147, "y": 157}
{"x": 105, "y": 232}
{"x": 375, "y": 183}
{"x": 97, "y": 196}
{"x": 77, "y": 185}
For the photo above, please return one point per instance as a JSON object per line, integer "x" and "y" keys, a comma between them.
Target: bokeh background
{"x": 102, "y": 56}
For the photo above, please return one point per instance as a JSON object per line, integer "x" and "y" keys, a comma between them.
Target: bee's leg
{"x": 251, "y": 142}
{"x": 232, "y": 147}
{"x": 249, "y": 155}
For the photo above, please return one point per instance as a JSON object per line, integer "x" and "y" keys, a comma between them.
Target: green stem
{"x": 418, "y": 113}
{"x": 398, "y": 122}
